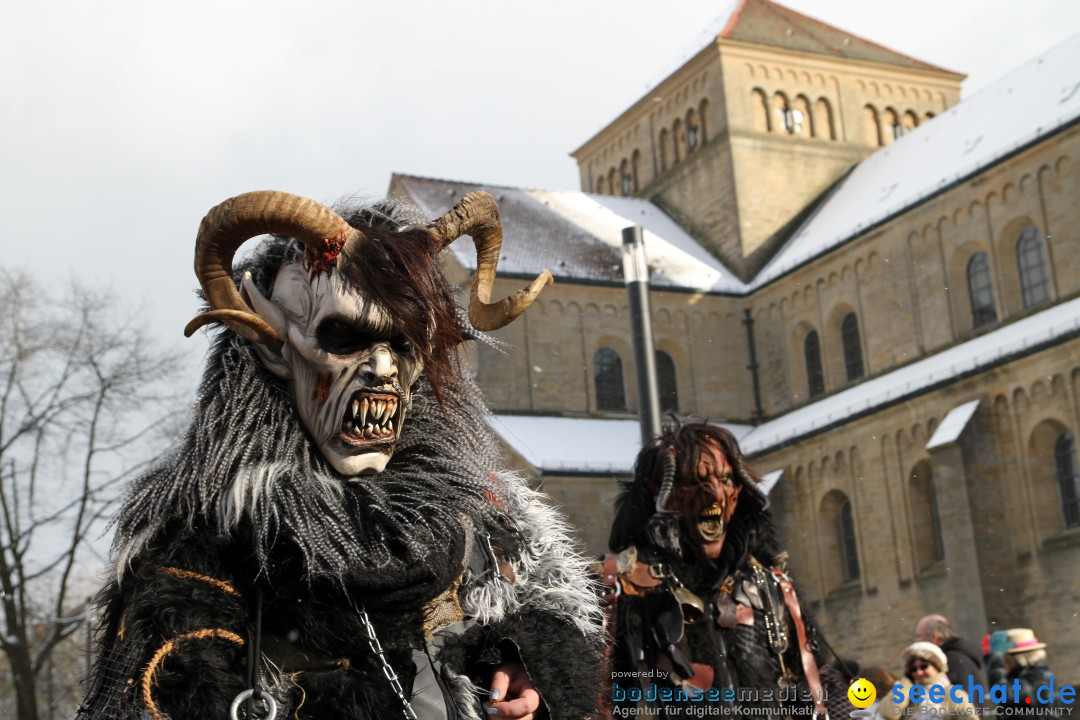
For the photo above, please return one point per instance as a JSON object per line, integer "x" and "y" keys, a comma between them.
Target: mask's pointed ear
{"x": 270, "y": 353}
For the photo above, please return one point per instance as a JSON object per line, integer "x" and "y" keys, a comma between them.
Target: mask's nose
{"x": 713, "y": 490}
{"x": 381, "y": 365}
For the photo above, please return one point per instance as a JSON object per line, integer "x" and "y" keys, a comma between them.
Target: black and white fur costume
{"x": 244, "y": 534}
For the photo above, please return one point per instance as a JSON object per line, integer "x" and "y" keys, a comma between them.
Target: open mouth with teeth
{"x": 371, "y": 418}
{"x": 711, "y": 524}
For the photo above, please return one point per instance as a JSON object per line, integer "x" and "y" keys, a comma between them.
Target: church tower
{"x": 740, "y": 141}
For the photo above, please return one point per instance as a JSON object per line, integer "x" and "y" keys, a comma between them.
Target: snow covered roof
{"x": 1032, "y": 101}
{"x": 577, "y": 445}
{"x": 1053, "y": 324}
{"x": 769, "y": 480}
{"x": 953, "y": 424}
{"x": 578, "y": 236}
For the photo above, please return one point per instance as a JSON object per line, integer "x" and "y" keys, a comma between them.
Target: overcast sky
{"x": 122, "y": 122}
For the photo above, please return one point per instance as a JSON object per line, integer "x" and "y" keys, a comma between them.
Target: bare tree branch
{"x": 79, "y": 389}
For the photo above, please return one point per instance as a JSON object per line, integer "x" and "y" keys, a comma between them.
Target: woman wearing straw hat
{"x": 1017, "y": 654}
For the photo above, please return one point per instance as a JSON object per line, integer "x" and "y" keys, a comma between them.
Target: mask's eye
{"x": 341, "y": 338}
{"x": 400, "y": 345}
{"x": 707, "y": 472}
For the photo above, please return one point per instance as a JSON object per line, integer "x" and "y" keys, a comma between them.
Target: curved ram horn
{"x": 478, "y": 216}
{"x": 668, "y": 483}
{"x": 229, "y": 224}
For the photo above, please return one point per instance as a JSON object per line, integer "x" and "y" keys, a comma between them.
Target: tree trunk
{"x": 23, "y": 677}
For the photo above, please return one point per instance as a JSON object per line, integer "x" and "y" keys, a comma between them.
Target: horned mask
{"x": 703, "y": 501}
{"x": 343, "y": 355}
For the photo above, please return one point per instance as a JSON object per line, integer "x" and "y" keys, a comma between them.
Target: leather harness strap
{"x": 609, "y": 603}
{"x": 639, "y": 581}
{"x": 810, "y": 667}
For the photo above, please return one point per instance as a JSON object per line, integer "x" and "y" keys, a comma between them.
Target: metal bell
{"x": 693, "y": 609}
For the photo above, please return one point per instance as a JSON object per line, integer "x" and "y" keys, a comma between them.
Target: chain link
{"x": 388, "y": 670}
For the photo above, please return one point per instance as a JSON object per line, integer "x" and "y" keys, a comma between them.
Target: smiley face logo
{"x": 861, "y": 693}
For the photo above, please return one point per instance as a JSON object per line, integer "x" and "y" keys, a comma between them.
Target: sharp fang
{"x": 363, "y": 412}
{"x": 382, "y": 409}
{"x": 355, "y": 407}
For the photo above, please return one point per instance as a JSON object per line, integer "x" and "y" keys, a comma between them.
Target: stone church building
{"x": 874, "y": 283}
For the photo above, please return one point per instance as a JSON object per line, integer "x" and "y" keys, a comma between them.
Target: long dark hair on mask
{"x": 750, "y": 530}
{"x": 396, "y": 268}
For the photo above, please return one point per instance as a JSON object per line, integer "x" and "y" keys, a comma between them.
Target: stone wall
{"x": 1005, "y": 554}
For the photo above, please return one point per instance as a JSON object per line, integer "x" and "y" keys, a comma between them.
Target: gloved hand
{"x": 999, "y": 642}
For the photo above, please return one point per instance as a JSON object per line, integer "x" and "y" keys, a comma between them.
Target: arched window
{"x": 823, "y": 122}
{"x": 692, "y": 129}
{"x": 893, "y": 129}
{"x": 909, "y": 122}
{"x": 663, "y": 149}
{"x": 610, "y": 392}
{"x": 980, "y": 290}
{"x": 849, "y": 551}
{"x": 613, "y": 181}
{"x": 635, "y": 167}
{"x": 925, "y": 518}
{"x": 703, "y": 116}
{"x": 626, "y": 178}
{"x": 600, "y": 185}
{"x": 839, "y": 548}
{"x": 872, "y": 126}
{"x": 760, "y": 108}
{"x": 678, "y": 141}
{"x": 801, "y": 122}
{"x": 815, "y": 377}
{"x": 849, "y": 337}
{"x": 782, "y": 113}
{"x": 1034, "y": 283}
{"x": 1068, "y": 480}
{"x": 665, "y": 380}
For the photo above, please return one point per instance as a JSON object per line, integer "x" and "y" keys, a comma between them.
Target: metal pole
{"x": 636, "y": 275}
{"x": 748, "y": 321}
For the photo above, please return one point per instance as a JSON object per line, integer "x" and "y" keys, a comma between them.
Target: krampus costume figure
{"x": 702, "y": 608}
{"x": 332, "y": 537}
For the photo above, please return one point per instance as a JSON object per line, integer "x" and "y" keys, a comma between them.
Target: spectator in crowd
{"x": 962, "y": 655}
{"x": 1018, "y": 655}
{"x": 924, "y": 667}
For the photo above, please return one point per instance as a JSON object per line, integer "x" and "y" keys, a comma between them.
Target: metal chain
{"x": 388, "y": 670}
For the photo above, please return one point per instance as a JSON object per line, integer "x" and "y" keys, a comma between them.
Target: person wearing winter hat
{"x": 925, "y": 665}
{"x": 1017, "y": 654}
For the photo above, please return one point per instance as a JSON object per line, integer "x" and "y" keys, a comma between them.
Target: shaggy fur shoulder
{"x": 243, "y": 518}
